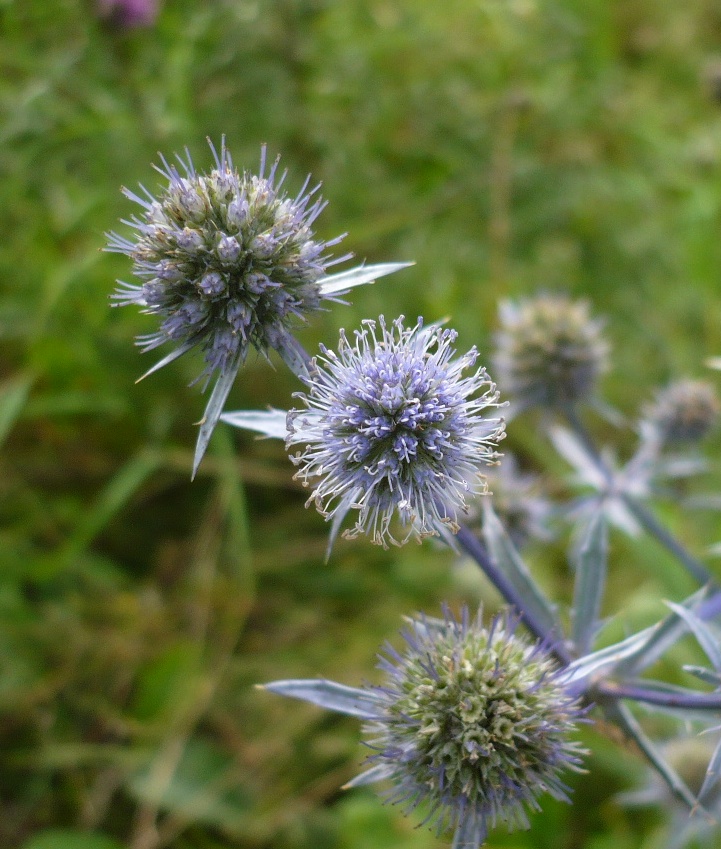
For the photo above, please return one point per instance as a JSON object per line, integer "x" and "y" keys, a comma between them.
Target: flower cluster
{"x": 549, "y": 352}
{"x": 472, "y": 725}
{"x": 228, "y": 260}
{"x": 475, "y": 723}
{"x": 392, "y": 428}
{"x": 685, "y": 411}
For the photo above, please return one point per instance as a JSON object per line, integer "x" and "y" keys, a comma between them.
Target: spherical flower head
{"x": 549, "y": 352}
{"x": 685, "y": 411}
{"x": 474, "y": 725}
{"x": 228, "y": 260}
{"x": 391, "y": 427}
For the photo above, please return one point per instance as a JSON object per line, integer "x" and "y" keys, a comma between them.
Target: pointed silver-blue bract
{"x": 270, "y": 423}
{"x": 327, "y": 694}
{"x": 707, "y": 634}
{"x": 392, "y": 428}
{"x": 624, "y": 718}
{"x": 509, "y": 561}
{"x": 472, "y": 725}
{"x": 590, "y": 582}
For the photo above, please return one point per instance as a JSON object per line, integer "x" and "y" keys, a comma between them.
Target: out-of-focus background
{"x": 507, "y": 147}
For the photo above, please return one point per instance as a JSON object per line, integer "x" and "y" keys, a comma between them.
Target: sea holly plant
{"x": 393, "y": 431}
{"x": 229, "y": 262}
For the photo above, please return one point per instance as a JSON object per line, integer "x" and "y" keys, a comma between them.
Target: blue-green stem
{"x": 639, "y": 693}
{"x": 475, "y": 549}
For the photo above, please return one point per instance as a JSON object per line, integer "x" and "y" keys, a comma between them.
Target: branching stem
{"x": 644, "y": 516}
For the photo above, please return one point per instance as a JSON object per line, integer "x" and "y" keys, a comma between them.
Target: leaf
{"x": 113, "y": 498}
{"x": 329, "y": 695}
{"x": 13, "y": 395}
{"x": 165, "y": 681}
{"x": 337, "y": 284}
{"x": 590, "y": 582}
{"x": 237, "y": 549}
{"x": 573, "y": 451}
{"x": 271, "y": 423}
{"x": 510, "y": 563}
{"x": 206, "y": 786}
{"x": 637, "y": 652}
{"x": 657, "y": 639}
{"x": 70, "y": 838}
{"x": 705, "y": 675}
{"x": 712, "y": 775}
{"x": 607, "y": 660}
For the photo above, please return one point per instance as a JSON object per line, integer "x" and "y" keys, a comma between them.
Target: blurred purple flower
{"x": 129, "y": 13}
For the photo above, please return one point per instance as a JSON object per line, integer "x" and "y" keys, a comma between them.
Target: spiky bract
{"x": 393, "y": 429}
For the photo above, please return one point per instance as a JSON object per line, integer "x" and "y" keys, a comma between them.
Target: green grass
{"x": 505, "y": 147}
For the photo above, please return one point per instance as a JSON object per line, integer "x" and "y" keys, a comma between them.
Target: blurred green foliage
{"x": 505, "y": 146}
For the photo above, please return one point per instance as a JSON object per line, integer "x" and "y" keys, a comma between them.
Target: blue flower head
{"x": 474, "y": 725}
{"x": 228, "y": 261}
{"x": 392, "y": 427}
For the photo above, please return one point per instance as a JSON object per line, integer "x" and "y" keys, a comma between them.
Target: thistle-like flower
{"x": 392, "y": 428}
{"x": 229, "y": 262}
{"x": 471, "y": 726}
{"x": 684, "y": 412}
{"x": 549, "y": 352}
{"x": 228, "y": 259}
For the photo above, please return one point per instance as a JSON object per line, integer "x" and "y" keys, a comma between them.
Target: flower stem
{"x": 475, "y": 549}
{"x": 639, "y": 693}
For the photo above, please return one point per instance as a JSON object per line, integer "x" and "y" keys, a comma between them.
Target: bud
{"x": 685, "y": 411}
{"x": 549, "y": 352}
